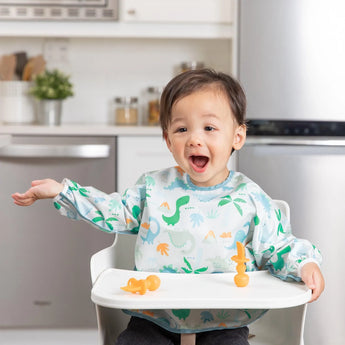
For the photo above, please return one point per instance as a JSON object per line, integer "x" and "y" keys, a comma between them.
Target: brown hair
{"x": 188, "y": 82}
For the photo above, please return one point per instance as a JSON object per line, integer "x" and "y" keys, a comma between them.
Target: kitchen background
{"x": 104, "y": 68}
{"x": 289, "y": 57}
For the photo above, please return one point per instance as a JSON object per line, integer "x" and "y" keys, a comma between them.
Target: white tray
{"x": 199, "y": 291}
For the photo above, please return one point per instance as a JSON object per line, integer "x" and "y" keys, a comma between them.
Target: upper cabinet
{"x": 177, "y": 11}
{"x": 141, "y": 19}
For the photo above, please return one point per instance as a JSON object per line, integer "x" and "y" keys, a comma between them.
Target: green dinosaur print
{"x": 107, "y": 221}
{"x": 135, "y": 214}
{"x": 180, "y": 239}
{"x": 189, "y": 268}
{"x": 82, "y": 191}
{"x": 181, "y": 313}
{"x": 174, "y": 219}
{"x": 227, "y": 199}
{"x": 279, "y": 264}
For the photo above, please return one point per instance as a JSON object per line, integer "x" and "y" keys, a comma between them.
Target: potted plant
{"x": 50, "y": 88}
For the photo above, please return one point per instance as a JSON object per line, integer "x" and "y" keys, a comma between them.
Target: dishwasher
{"x": 303, "y": 163}
{"x": 44, "y": 257}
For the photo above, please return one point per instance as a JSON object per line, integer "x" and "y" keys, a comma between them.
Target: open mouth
{"x": 199, "y": 163}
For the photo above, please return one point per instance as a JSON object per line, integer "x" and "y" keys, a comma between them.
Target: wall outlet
{"x": 56, "y": 52}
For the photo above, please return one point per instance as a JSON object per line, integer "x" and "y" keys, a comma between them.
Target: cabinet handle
{"x": 131, "y": 12}
{"x": 54, "y": 151}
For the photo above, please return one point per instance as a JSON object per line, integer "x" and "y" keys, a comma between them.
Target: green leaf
{"x": 199, "y": 270}
{"x": 239, "y": 209}
{"x": 110, "y": 226}
{"x": 223, "y": 202}
{"x": 112, "y": 219}
{"x": 239, "y": 200}
{"x": 97, "y": 219}
{"x": 256, "y": 220}
{"x": 241, "y": 186}
{"x": 280, "y": 229}
{"x": 186, "y": 271}
{"x": 187, "y": 263}
{"x": 278, "y": 214}
{"x": 83, "y": 192}
{"x": 51, "y": 85}
{"x": 57, "y": 206}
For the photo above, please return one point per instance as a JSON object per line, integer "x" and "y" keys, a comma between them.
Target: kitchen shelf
{"x": 115, "y": 30}
{"x": 79, "y": 129}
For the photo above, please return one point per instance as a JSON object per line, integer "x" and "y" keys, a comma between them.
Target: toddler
{"x": 188, "y": 218}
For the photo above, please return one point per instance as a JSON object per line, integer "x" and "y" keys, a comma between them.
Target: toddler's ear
{"x": 239, "y": 137}
{"x": 166, "y": 138}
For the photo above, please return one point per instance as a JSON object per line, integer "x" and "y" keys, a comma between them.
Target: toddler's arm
{"x": 40, "y": 189}
{"x": 313, "y": 278}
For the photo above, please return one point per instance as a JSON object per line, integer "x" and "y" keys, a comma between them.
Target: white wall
{"x": 103, "y": 68}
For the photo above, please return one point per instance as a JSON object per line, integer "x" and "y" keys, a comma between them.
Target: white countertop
{"x": 81, "y": 129}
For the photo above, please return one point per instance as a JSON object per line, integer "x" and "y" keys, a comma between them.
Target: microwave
{"x": 60, "y": 10}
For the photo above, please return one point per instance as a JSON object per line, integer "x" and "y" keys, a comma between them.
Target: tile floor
{"x": 48, "y": 337}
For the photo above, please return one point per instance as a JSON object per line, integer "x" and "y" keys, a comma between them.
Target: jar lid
{"x": 191, "y": 65}
{"x": 126, "y": 100}
{"x": 155, "y": 89}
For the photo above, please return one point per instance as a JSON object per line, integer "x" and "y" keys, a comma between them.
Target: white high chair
{"x": 283, "y": 324}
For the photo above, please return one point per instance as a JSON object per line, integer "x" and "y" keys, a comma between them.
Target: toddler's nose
{"x": 194, "y": 140}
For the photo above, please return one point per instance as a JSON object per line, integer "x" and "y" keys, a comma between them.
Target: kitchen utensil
{"x": 7, "y": 67}
{"x": 35, "y": 65}
{"x": 22, "y": 60}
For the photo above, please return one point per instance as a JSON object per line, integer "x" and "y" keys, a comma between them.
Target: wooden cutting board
{"x": 7, "y": 67}
{"x": 35, "y": 65}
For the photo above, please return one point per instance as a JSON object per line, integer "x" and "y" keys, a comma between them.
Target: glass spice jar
{"x": 153, "y": 99}
{"x": 191, "y": 65}
{"x": 126, "y": 112}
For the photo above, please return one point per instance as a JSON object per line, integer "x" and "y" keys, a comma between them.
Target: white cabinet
{"x": 142, "y": 18}
{"x": 139, "y": 154}
{"x": 177, "y": 11}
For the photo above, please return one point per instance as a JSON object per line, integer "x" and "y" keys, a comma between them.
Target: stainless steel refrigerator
{"x": 292, "y": 67}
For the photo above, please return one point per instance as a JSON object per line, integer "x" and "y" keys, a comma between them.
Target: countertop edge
{"x": 81, "y": 130}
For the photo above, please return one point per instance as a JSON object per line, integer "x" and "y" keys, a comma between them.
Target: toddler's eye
{"x": 209, "y": 128}
{"x": 182, "y": 129}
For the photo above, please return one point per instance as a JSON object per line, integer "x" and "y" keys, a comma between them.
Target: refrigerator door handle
{"x": 281, "y": 141}
{"x": 55, "y": 151}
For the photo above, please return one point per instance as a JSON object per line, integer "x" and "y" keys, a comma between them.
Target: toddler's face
{"x": 201, "y": 136}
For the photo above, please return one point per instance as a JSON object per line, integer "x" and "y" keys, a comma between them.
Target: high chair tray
{"x": 199, "y": 291}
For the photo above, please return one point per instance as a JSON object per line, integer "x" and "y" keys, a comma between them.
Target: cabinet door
{"x": 137, "y": 155}
{"x": 188, "y": 11}
{"x": 44, "y": 257}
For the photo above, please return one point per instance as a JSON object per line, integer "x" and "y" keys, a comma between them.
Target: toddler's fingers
{"x": 36, "y": 182}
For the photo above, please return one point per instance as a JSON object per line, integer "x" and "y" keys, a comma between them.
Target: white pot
{"x": 16, "y": 105}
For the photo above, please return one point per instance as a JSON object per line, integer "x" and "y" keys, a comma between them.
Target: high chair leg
{"x": 187, "y": 339}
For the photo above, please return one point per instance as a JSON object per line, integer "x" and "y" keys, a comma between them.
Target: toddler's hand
{"x": 313, "y": 278}
{"x": 40, "y": 189}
